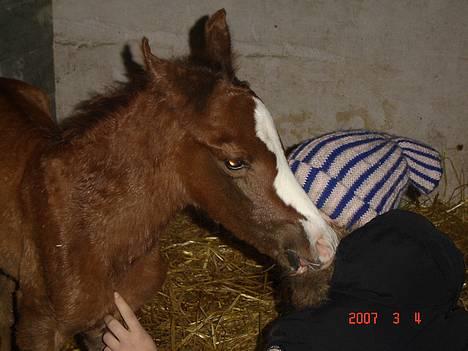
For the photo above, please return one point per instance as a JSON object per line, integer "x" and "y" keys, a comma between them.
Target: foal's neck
{"x": 130, "y": 155}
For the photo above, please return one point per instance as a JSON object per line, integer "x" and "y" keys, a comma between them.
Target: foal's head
{"x": 231, "y": 161}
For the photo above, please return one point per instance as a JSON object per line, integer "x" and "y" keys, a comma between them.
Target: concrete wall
{"x": 26, "y": 50}
{"x": 395, "y": 66}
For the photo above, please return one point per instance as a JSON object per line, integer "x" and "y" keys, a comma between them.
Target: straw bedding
{"x": 216, "y": 296}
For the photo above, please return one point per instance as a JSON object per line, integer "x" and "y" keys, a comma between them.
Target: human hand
{"x": 118, "y": 338}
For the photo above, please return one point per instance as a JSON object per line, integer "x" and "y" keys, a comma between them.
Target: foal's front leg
{"x": 7, "y": 287}
{"x": 142, "y": 280}
{"x": 36, "y": 329}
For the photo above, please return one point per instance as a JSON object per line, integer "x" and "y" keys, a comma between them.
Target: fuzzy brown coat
{"x": 83, "y": 203}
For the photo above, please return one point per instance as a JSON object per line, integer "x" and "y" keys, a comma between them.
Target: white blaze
{"x": 286, "y": 185}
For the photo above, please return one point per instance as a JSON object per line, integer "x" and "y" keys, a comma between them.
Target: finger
{"x": 126, "y": 313}
{"x": 115, "y": 327}
{"x": 110, "y": 340}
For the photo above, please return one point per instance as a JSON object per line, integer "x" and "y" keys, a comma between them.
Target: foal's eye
{"x": 234, "y": 165}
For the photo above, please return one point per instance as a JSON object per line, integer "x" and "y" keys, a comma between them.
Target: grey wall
{"x": 396, "y": 66}
{"x": 26, "y": 36}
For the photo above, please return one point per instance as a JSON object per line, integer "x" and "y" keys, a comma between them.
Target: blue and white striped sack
{"x": 355, "y": 175}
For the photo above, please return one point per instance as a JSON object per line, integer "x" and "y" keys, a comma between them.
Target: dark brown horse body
{"x": 82, "y": 204}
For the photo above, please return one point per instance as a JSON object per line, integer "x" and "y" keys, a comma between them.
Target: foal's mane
{"x": 102, "y": 106}
{"x": 105, "y": 105}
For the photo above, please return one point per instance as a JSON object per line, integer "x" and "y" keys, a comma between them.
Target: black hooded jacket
{"x": 395, "y": 287}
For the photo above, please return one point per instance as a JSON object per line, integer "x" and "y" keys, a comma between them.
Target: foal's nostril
{"x": 293, "y": 259}
{"x": 299, "y": 264}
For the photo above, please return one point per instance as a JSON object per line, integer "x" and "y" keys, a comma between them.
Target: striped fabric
{"x": 355, "y": 175}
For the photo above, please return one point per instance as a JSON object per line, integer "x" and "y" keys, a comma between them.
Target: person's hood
{"x": 401, "y": 262}
{"x": 415, "y": 266}
{"x": 400, "y": 273}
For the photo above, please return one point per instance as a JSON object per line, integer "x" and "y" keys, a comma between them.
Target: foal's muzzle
{"x": 299, "y": 265}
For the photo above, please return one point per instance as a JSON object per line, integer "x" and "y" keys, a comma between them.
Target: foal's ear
{"x": 218, "y": 42}
{"x": 153, "y": 64}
